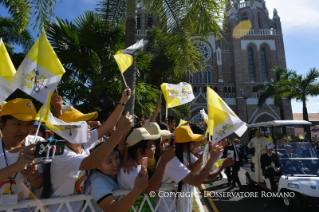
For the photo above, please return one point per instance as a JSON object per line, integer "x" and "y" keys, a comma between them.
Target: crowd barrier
{"x": 39, "y": 204}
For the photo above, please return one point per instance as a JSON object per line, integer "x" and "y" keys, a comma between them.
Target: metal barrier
{"x": 39, "y": 204}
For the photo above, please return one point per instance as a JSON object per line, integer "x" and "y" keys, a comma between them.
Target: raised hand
{"x": 126, "y": 95}
{"x": 228, "y": 162}
{"x": 168, "y": 154}
{"x": 141, "y": 181}
{"x": 125, "y": 123}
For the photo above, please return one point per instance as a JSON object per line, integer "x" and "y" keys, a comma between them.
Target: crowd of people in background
{"x": 116, "y": 156}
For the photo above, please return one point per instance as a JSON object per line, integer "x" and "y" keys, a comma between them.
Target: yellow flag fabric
{"x": 222, "y": 121}
{"x": 7, "y": 71}
{"x": 241, "y": 29}
{"x": 124, "y": 61}
{"x": 177, "y": 94}
{"x": 270, "y": 138}
{"x": 181, "y": 122}
{"x": 40, "y": 71}
{"x": 219, "y": 162}
{"x": 124, "y": 58}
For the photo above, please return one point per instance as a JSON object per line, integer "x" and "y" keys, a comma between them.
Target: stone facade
{"x": 240, "y": 60}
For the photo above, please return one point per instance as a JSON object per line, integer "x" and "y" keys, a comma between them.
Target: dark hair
{"x": 196, "y": 129}
{"x": 179, "y": 149}
{"x": 163, "y": 126}
{"x": 47, "y": 185}
{"x": 4, "y": 119}
{"x": 103, "y": 116}
{"x": 157, "y": 144}
{"x": 132, "y": 149}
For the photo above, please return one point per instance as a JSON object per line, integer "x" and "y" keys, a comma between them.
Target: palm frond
{"x": 19, "y": 10}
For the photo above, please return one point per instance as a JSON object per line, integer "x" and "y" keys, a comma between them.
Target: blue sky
{"x": 300, "y": 24}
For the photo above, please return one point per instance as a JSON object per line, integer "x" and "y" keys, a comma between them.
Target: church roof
{"x": 311, "y": 116}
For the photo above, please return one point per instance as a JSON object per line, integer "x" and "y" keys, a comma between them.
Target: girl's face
{"x": 150, "y": 149}
{"x": 111, "y": 164}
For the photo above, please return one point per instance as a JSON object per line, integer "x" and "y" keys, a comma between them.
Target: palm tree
{"x": 178, "y": 19}
{"x": 86, "y": 47}
{"x": 41, "y": 10}
{"x": 281, "y": 76}
{"x": 300, "y": 87}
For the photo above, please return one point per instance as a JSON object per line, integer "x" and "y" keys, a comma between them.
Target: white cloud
{"x": 312, "y": 105}
{"x": 296, "y": 16}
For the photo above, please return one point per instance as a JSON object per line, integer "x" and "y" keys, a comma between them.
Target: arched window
{"x": 197, "y": 119}
{"x": 190, "y": 77}
{"x": 149, "y": 21}
{"x": 244, "y": 17}
{"x": 229, "y": 92}
{"x": 198, "y": 78}
{"x": 225, "y": 92}
{"x": 264, "y": 64}
{"x": 259, "y": 21}
{"x": 208, "y": 75}
{"x": 195, "y": 89}
{"x": 138, "y": 22}
{"x": 251, "y": 64}
{"x": 233, "y": 91}
{"x": 216, "y": 89}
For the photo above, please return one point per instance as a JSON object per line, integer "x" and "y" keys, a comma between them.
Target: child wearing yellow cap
{"x": 16, "y": 119}
{"x": 182, "y": 169}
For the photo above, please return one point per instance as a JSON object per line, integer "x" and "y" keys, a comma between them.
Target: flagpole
{"x": 123, "y": 79}
{"x": 166, "y": 112}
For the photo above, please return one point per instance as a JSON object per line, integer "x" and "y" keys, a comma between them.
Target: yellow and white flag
{"x": 181, "y": 122}
{"x": 7, "y": 72}
{"x": 177, "y": 94}
{"x": 75, "y": 132}
{"x": 222, "y": 121}
{"x": 124, "y": 58}
{"x": 40, "y": 71}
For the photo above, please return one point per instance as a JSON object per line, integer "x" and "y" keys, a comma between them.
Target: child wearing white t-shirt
{"x": 182, "y": 169}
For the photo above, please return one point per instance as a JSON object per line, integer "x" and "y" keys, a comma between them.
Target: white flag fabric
{"x": 76, "y": 132}
{"x": 222, "y": 121}
{"x": 177, "y": 94}
{"x": 40, "y": 71}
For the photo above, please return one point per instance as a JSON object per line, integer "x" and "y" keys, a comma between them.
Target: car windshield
{"x": 298, "y": 158}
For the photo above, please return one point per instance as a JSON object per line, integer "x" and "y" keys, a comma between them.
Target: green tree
{"x": 86, "y": 47}
{"x": 23, "y": 10}
{"x": 178, "y": 19}
{"x": 270, "y": 90}
{"x": 300, "y": 87}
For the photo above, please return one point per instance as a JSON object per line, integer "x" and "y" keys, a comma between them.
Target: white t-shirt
{"x": 19, "y": 182}
{"x": 175, "y": 171}
{"x": 128, "y": 180}
{"x": 66, "y": 178}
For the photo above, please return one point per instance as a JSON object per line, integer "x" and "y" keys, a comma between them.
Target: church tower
{"x": 243, "y": 58}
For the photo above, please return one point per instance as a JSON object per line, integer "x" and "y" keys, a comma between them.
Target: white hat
{"x": 270, "y": 145}
{"x": 154, "y": 129}
{"x": 140, "y": 134}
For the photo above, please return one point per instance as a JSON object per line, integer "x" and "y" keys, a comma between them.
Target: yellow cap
{"x": 21, "y": 109}
{"x": 184, "y": 134}
{"x": 73, "y": 115}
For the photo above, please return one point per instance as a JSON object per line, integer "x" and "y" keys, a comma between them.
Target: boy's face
{"x": 16, "y": 130}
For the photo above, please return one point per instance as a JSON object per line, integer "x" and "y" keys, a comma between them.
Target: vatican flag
{"x": 75, "y": 132}
{"x": 7, "y": 72}
{"x": 177, "y": 94}
{"x": 124, "y": 58}
{"x": 222, "y": 121}
{"x": 40, "y": 71}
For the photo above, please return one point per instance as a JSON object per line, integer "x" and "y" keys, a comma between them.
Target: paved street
{"x": 250, "y": 204}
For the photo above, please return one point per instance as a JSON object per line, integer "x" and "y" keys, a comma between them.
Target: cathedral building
{"x": 238, "y": 61}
